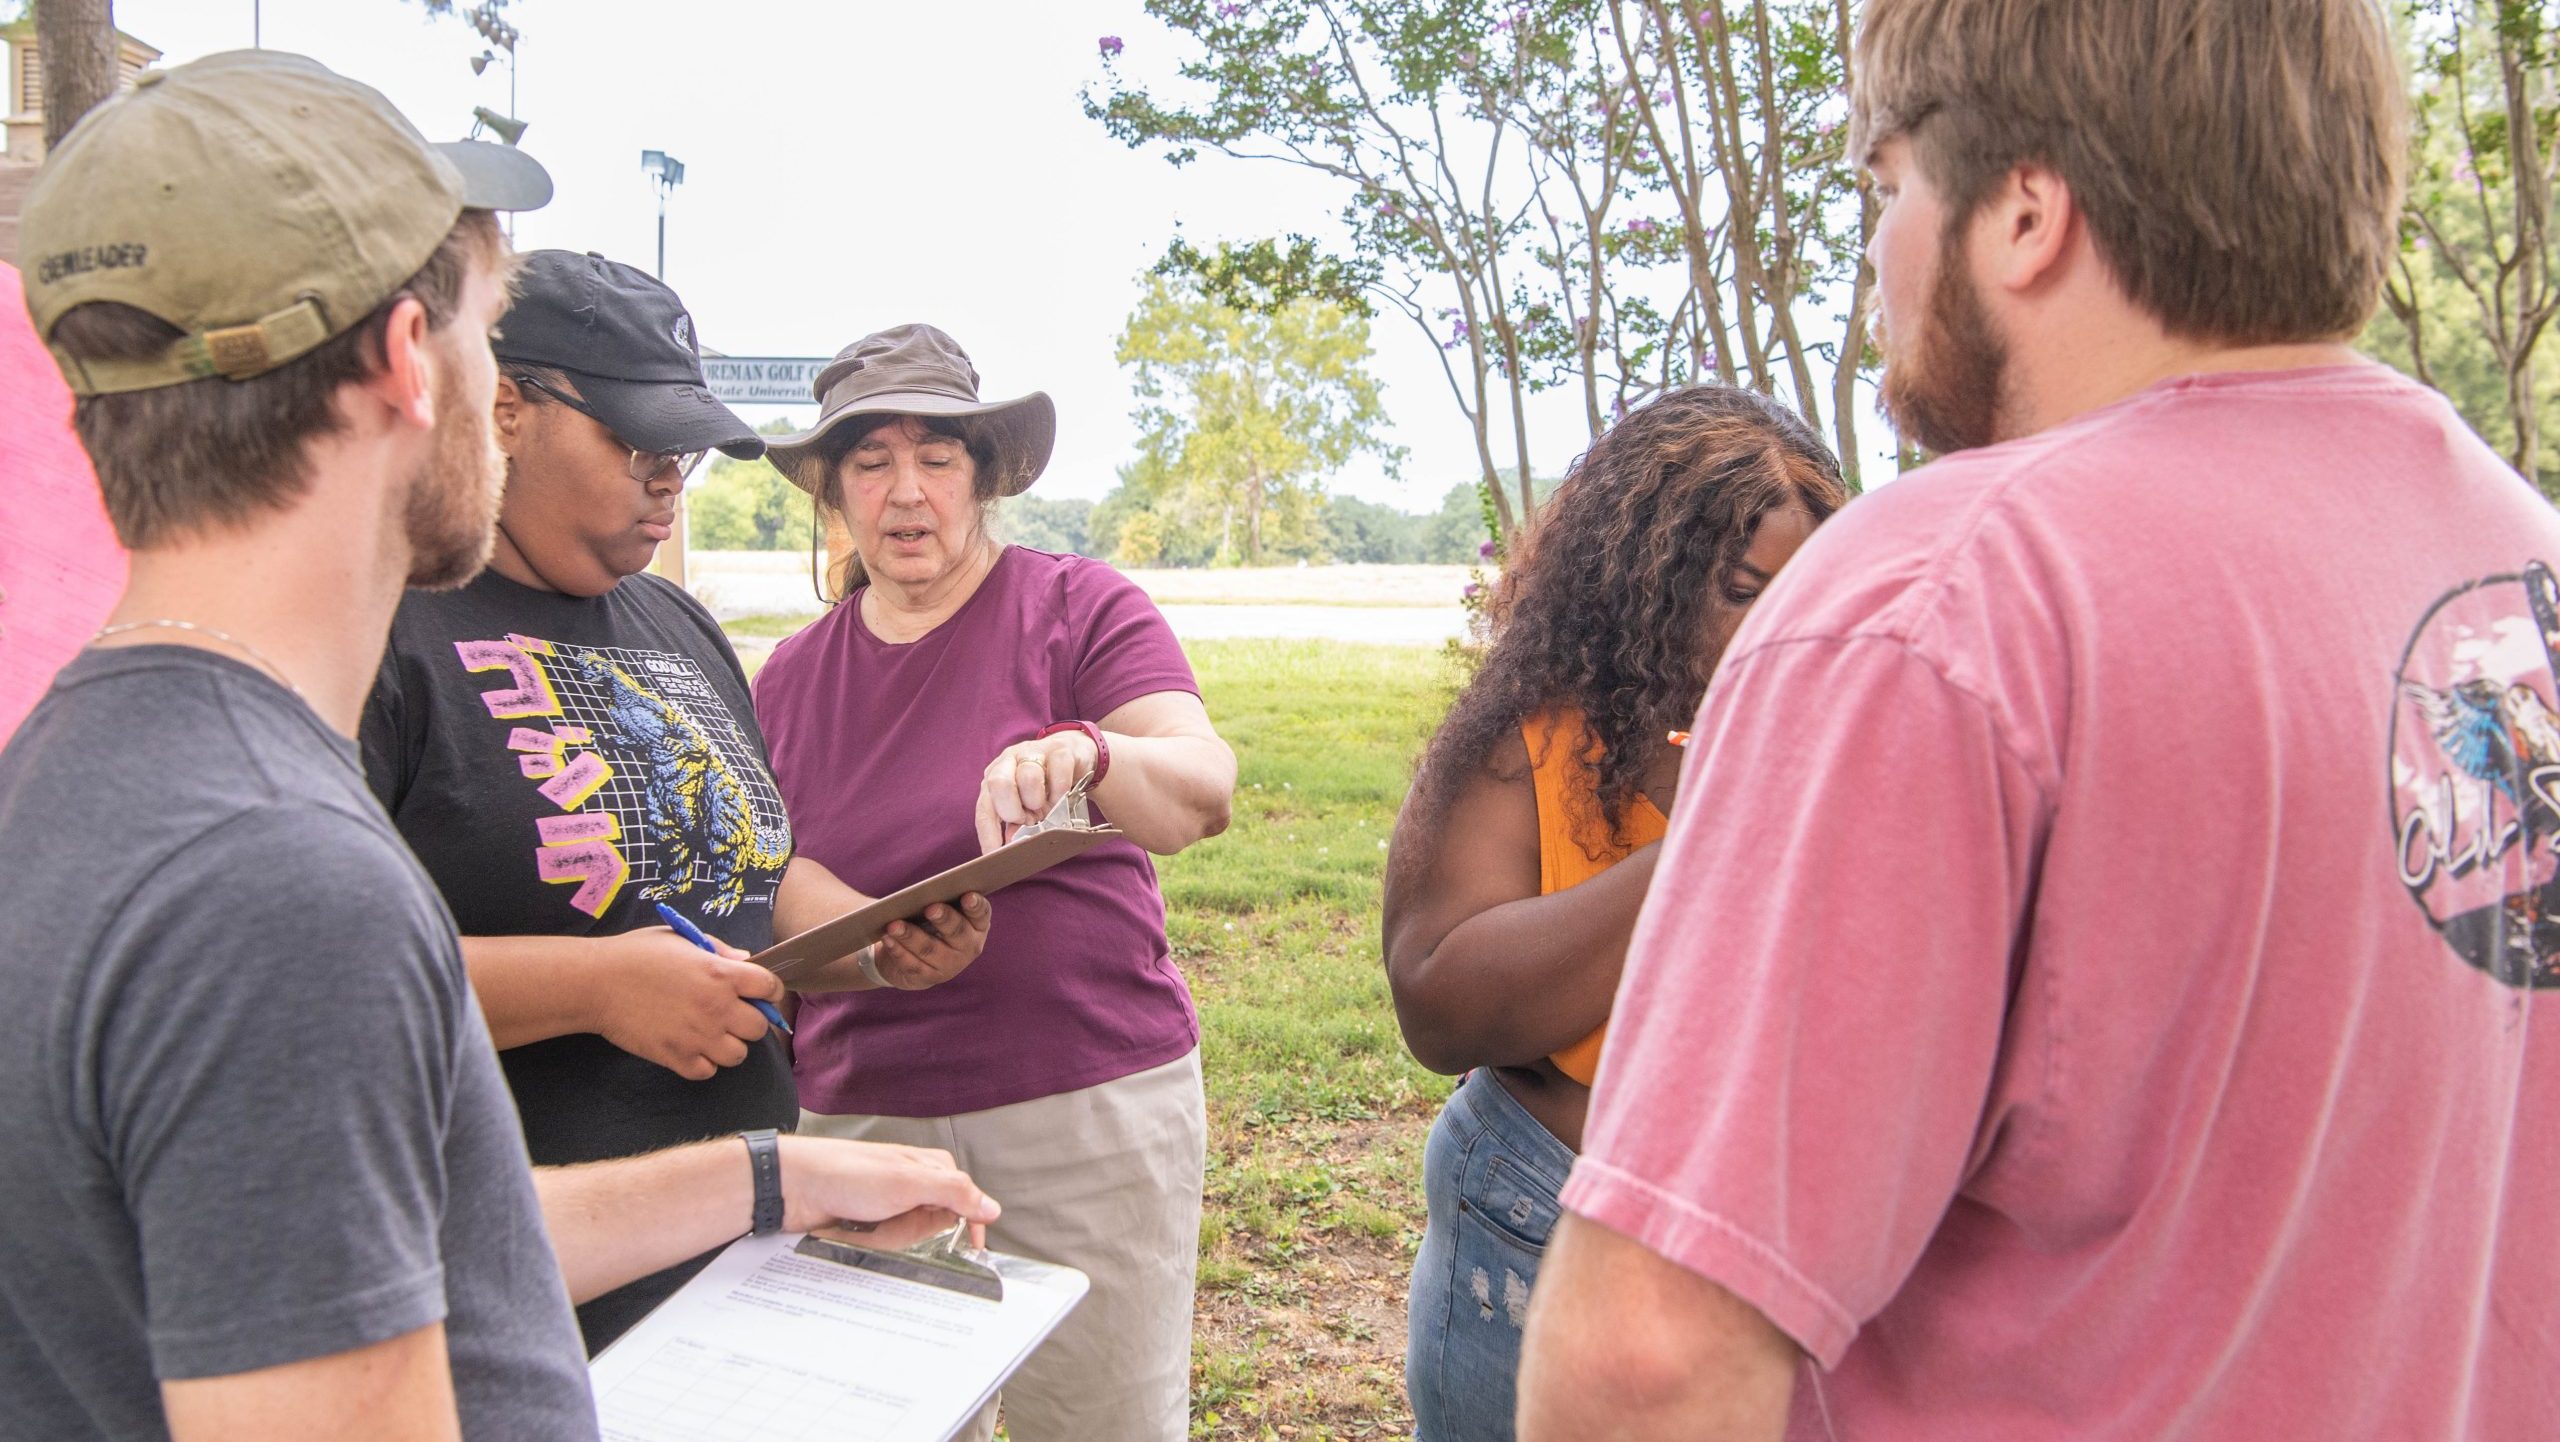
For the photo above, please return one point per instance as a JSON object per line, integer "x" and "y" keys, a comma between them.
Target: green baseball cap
{"x": 256, "y": 200}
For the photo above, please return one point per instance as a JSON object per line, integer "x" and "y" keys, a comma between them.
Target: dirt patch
{"x": 1301, "y": 1335}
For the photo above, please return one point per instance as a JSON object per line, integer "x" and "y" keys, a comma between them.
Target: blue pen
{"x": 693, "y": 933}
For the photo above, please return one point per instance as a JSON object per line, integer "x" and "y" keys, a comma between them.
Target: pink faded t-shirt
{"x": 878, "y": 750}
{"x": 60, "y": 565}
{"x": 2091, "y": 987}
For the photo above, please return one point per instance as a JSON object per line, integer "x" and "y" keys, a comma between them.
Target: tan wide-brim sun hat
{"x": 915, "y": 370}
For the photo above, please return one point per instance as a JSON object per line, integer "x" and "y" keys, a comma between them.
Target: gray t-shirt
{"x": 248, "y": 1109}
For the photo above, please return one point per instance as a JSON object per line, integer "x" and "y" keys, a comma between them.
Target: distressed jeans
{"x": 1490, "y": 1176}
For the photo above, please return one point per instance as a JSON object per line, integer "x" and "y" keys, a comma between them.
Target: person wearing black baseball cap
{"x": 262, "y": 1175}
{"x": 567, "y": 744}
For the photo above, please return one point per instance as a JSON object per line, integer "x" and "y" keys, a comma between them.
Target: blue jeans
{"x": 1490, "y": 1176}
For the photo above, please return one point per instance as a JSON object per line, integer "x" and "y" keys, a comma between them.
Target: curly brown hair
{"x": 1604, "y": 607}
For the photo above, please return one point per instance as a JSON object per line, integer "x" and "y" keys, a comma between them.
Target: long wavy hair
{"x": 1605, "y": 607}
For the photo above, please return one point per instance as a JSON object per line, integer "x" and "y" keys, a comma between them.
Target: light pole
{"x": 502, "y": 36}
{"x": 480, "y": 64}
{"x": 668, "y": 173}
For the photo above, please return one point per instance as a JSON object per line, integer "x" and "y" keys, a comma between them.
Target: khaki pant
{"x": 1105, "y": 1180}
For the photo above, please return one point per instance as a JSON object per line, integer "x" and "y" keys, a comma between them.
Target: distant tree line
{"x": 748, "y": 506}
{"x": 1127, "y": 530}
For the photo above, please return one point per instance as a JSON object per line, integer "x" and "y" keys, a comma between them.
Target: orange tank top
{"x": 1574, "y": 844}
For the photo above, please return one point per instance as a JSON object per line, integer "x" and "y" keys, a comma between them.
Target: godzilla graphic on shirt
{"x": 2475, "y": 773}
{"x": 700, "y": 813}
{"x": 654, "y": 778}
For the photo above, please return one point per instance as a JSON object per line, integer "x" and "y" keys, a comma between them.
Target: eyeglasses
{"x": 643, "y": 466}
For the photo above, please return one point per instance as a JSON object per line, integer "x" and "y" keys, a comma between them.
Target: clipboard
{"x": 1028, "y": 854}
{"x": 777, "y": 1338}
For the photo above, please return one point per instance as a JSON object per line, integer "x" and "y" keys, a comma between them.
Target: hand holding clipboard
{"x": 1066, "y": 831}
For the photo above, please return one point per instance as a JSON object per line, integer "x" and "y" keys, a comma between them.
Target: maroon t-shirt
{"x": 879, "y": 749}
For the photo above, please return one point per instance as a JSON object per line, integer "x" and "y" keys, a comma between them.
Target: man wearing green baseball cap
{"x": 262, "y": 1175}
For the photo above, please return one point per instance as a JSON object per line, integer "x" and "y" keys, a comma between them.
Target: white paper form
{"x": 766, "y": 1345}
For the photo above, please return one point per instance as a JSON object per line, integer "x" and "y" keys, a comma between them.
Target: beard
{"x": 451, "y": 513}
{"x": 1943, "y": 393}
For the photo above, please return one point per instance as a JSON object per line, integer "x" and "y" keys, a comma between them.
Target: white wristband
{"x": 870, "y": 970}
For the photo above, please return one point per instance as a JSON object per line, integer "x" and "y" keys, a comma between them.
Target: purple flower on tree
{"x": 1486, "y": 550}
{"x": 1110, "y": 47}
{"x": 1473, "y": 590}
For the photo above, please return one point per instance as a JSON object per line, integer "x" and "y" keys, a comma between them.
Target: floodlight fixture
{"x": 505, "y": 127}
{"x": 668, "y": 173}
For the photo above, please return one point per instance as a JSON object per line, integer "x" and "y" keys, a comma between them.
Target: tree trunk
{"x": 2521, "y": 403}
{"x": 1253, "y": 516}
{"x": 2537, "y": 289}
{"x": 77, "y": 39}
{"x": 1853, "y": 335}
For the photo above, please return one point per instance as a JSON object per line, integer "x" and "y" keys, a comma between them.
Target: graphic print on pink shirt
{"x": 2475, "y": 774}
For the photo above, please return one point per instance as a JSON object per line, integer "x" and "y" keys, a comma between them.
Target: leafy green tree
{"x": 1614, "y": 195}
{"x": 748, "y": 505}
{"x": 1044, "y": 525}
{"x": 2477, "y": 284}
{"x": 1148, "y": 490}
{"x": 1371, "y": 534}
{"x": 1454, "y": 533}
{"x": 1140, "y": 541}
{"x": 1244, "y": 413}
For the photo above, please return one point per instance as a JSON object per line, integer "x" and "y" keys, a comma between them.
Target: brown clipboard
{"x": 998, "y": 869}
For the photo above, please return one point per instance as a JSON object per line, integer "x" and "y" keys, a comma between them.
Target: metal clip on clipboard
{"x": 942, "y": 1260}
{"x": 1070, "y": 814}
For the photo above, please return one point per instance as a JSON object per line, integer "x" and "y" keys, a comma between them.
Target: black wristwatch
{"x": 764, "y": 1155}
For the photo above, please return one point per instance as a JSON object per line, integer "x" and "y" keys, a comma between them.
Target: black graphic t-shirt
{"x": 561, "y": 764}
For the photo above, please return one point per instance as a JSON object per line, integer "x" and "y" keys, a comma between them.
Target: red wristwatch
{"x": 1101, "y": 748}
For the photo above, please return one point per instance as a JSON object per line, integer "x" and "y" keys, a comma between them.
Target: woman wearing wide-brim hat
{"x": 956, "y": 692}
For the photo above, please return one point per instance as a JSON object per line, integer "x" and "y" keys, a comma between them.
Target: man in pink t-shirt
{"x": 60, "y": 566}
{"x": 2090, "y": 987}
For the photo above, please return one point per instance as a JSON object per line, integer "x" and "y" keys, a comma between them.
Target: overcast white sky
{"x": 852, "y": 164}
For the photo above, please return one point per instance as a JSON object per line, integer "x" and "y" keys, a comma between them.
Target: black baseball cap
{"x": 628, "y": 343}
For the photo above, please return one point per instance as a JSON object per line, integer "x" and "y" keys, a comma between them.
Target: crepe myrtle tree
{"x": 2476, "y": 286}
{"x": 1616, "y": 196}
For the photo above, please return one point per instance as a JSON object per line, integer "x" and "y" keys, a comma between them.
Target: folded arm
{"x": 1486, "y": 971}
{"x": 650, "y": 992}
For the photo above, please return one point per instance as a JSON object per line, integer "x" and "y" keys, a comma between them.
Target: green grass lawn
{"x": 1316, "y": 1114}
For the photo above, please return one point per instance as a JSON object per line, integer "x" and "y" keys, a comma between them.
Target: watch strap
{"x": 1101, "y": 748}
{"x": 764, "y": 1156}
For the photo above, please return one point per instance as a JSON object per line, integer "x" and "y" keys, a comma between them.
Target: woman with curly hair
{"x": 1524, "y": 850}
